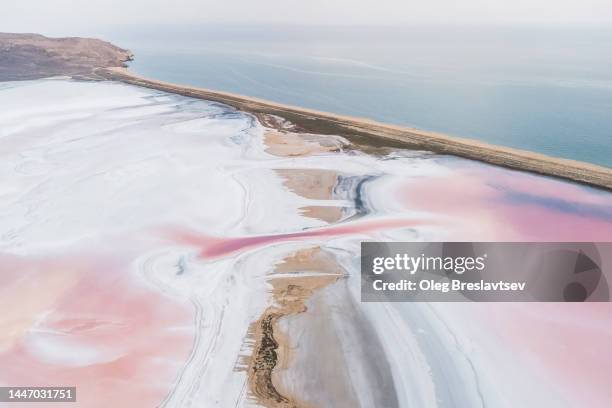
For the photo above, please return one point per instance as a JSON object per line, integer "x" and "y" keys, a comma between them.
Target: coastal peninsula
{"x": 222, "y": 233}
{"x": 29, "y": 56}
{"x": 366, "y": 133}
{"x": 33, "y": 56}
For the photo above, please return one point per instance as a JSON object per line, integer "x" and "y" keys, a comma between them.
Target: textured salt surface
{"x": 138, "y": 231}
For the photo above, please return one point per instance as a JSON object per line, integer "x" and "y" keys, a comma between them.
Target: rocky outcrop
{"x": 31, "y": 56}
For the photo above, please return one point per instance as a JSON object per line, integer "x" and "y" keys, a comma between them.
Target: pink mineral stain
{"x": 483, "y": 203}
{"x": 566, "y": 343}
{"x": 85, "y": 321}
{"x": 212, "y": 247}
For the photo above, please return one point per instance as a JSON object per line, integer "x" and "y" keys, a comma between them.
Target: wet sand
{"x": 293, "y": 283}
{"x": 370, "y": 133}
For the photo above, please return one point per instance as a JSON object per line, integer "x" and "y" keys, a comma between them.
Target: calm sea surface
{"x": 546, "y": 90}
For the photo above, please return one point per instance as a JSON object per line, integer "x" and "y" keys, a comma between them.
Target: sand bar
{"x": 31, "y": 56}
{"x": 370, "y": 133}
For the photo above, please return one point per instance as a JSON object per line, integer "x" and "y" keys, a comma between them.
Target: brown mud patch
{"x": 289, "y": 293}
{"x": 286, "y": 139}
{"x": 323, "y": 213}
{"x": 293, "y": 144}
{"x": 313, "y": 184}
{"x": 309, "y": 259}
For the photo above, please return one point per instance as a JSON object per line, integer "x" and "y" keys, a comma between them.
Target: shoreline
{"x": 371, "y": 133}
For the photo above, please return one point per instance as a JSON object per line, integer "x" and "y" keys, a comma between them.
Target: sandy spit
{"x": 370, "y": 133}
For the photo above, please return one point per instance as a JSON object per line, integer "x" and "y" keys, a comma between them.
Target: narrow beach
{"x": 370, "y": 133}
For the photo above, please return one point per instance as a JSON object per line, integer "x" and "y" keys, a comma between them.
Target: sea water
{"x": 547, "y": 90}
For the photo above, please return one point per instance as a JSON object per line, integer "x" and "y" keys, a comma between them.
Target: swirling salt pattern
{"x": 182, "y": 197}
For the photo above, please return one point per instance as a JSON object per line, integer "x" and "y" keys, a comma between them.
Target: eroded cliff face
{"x": 31, "y": 56}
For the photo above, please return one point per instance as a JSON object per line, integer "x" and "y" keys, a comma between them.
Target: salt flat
{"x": 142, "y": 238}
